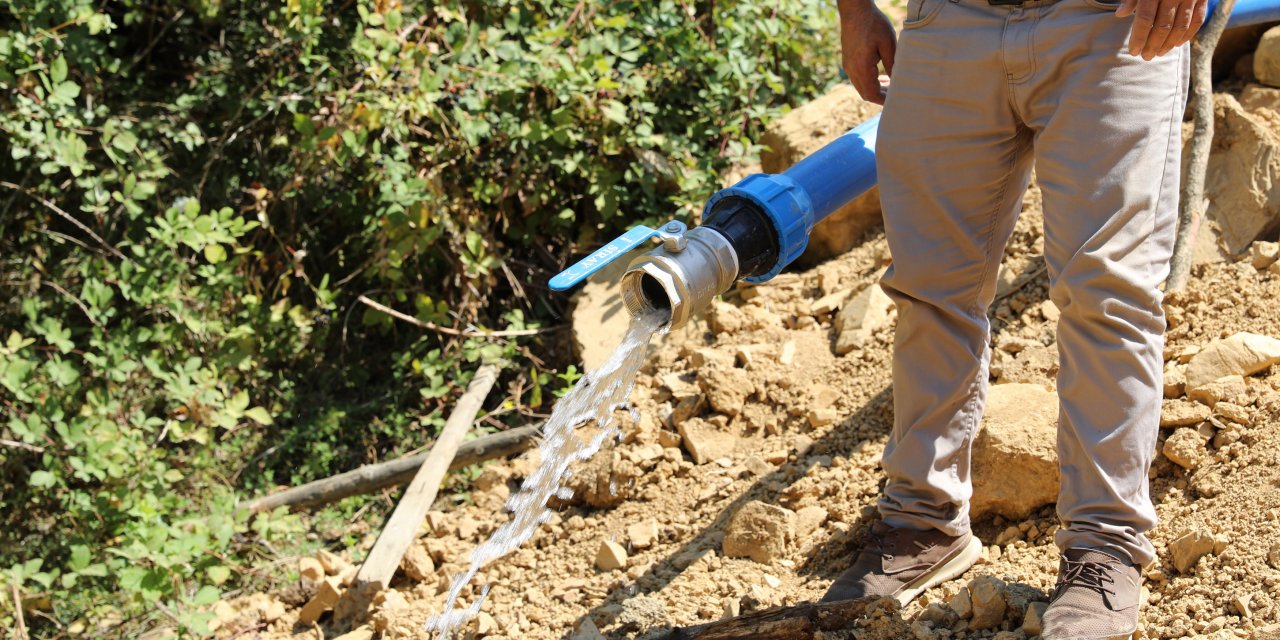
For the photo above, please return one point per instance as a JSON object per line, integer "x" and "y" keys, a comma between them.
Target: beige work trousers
{"x": 979, "y": 94}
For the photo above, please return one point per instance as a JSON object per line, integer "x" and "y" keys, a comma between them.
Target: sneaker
{"x": 902, "y": 563}
{"x": 1096, "y": 598}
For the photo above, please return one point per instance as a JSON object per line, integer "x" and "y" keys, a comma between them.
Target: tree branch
{"x": 1193, "y": 204}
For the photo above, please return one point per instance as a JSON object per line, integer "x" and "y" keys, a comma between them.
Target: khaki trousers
{"x": 979, "y": 94}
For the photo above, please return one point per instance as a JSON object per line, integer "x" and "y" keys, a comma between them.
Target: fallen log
{"x": 799, "y": 622}
{"x": 375, "y": 477}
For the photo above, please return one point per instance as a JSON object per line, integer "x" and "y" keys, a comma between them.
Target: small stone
{"x": 1180, "y": 413}
{"x": 587, "y": 630}
{"x": 732, "y": 608}
{"x": 486, "y": 625}
{"x": 1049, "y": 311}
{"x": 1233, "y": 412}
{"x": 1241, "y": 354}
{"x": 327, "y": 595}
{"x": 468, "y": 528}
{"x": 823, "y": 395}
{"x": 788, "y": 356}
{"x": 756, "y": 466}
{"x": 747, "y": 355}
{"x": 829, "y": 303}
{"x": 1266, "y": 59}
{"x": 1273, "y": 556}
{"x": 808, "y": 520}
{"x": 1241, "y": 604}
{"x": 759, "y": 531}
{"x": 1187, "y": 550}
{"x": 1263, "y": 254}
{"x": 937, "y": 615}
{"x": 333, "y": 564}
{"x": 417, "y": 564}
{"x": 1175, "y": 380}
{"x": 707, "y": 356}
{"x": 1185, "y": 448}
{"x": 987, "y": 596}
{"x": 704, "y": 442}
{"x": 360, "y": 633}
{"x": 962, "y": 603}
{"x": 822, "y": 417}
{"x": 437, "y": 522}
{"x": 726, "y": 388}
{"x": 1224, "y": 389}
{"x": 1011, "y": 533}
{"x": 866, "y": 313}
{"x": 310, "y": 569}
{"x": 611, "y": 556}
{"x": 642, "y": 534}
{"x": 669, "y": 439}
{"x": 772, "y": 581}
{"x": 1031, "y": 624}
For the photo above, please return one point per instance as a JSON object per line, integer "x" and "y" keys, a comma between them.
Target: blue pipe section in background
{"x": 1249, "y": 12}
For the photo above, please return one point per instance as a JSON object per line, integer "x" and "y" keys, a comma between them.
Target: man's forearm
{"x": 854, "y": 8}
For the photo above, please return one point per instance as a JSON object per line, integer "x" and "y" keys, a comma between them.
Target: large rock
{"x": 1239, "y": 355}
{"x": 807, "y": 129}
{"x": 1015, "y": 459}
{"x": 759, "y": 531}
{"x": 1242, "y": 182}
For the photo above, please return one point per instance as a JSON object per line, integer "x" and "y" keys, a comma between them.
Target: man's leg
{"x": 1107, "y": 156}
{"x": 1108, "y": 159}
{"x": 953, "y": 163}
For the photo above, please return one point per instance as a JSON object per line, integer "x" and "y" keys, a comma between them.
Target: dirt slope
{"x": 755, "y": 384}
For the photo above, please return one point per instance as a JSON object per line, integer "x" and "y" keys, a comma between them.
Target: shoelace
{"x": 1087, "y": 574}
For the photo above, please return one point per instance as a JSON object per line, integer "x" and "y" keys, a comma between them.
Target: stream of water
{"x": 593, "y": 399}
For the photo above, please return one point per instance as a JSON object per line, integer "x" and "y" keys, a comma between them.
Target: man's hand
{"x": 866, "y": 39}
{"x": 1161, "y": 25}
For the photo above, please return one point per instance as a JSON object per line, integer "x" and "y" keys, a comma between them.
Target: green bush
{"x": 193, "y": 195}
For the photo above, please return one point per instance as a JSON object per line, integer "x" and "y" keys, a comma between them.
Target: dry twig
{"x": 1193, "y": 202}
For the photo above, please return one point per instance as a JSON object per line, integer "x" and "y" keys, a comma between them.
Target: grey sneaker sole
{"x": 949, "y": 570}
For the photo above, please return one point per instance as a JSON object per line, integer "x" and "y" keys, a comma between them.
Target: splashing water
{"x": 593, "y": 398}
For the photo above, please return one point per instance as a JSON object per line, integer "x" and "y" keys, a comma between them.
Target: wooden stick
{"x": 1193, "y": 204}
{"x": 450, "y": 331}
{"x": 374, "y": 477}
{"x": 800, "y": 622}
{"x": 402, "y": 527}
{"x": 21, "y": 632}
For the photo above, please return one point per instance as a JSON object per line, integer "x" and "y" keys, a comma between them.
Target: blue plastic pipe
{"x": 827, "y": 179}
{"x": 1250, "y": 12}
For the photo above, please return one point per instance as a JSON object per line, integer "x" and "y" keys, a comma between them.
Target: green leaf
{"x": 215, "y": 253}
{"x": 218, "y": 574}
{"x": 207, "y": 595}
{"x": 42, "y": 479}
{"x": 58, "y": 69}
{"x": 79, "y": 557}
{"x": 259, "y": 415}
{"x": 125, "y": 141}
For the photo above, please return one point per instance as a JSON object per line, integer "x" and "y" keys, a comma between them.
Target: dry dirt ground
{"x": 771, "y": 451}
{"x": 752, "y": 403}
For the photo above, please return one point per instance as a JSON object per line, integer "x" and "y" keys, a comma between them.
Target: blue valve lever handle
{"x": 616, "y": 248}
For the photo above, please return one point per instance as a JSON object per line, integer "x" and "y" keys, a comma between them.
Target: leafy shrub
{"x": 193, "y": 195}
